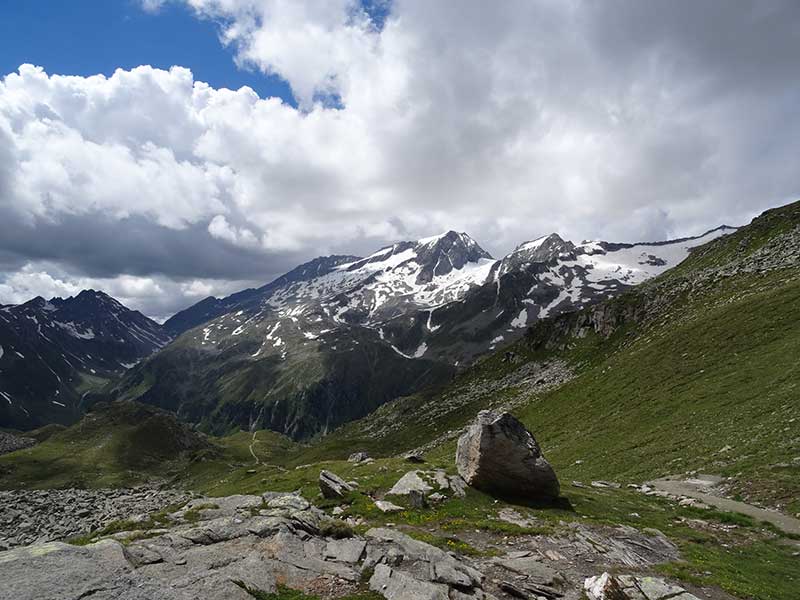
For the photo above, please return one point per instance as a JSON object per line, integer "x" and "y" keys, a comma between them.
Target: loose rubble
{"x": 28, "y": 516}
{"x": 11, "y": 443}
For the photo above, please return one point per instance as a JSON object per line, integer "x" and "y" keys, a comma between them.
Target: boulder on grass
{"x": 498, "y": 455}
{"x": 358, "y": 457}
{"x": 332, "y": 486}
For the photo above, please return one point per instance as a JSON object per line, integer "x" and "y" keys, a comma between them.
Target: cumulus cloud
{"x": 621, "y": 120}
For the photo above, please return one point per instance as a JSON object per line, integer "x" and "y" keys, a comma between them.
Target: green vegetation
{"x": 285, "y": 593}
{"x": 115, "y": 445}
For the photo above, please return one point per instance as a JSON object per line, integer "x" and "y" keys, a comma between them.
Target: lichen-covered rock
{"x": 498, "y": 455}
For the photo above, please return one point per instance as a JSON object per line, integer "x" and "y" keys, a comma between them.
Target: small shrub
{"x": 336, "y": 529}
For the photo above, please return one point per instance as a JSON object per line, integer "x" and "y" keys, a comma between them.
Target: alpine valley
{"x": 660, "y": 381}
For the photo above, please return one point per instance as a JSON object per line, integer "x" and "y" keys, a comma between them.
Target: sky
{"x": 166, "y": 150}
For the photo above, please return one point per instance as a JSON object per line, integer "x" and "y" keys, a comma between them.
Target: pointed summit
{"x": 544, "y": 249}
{"x": 441, "y": 254}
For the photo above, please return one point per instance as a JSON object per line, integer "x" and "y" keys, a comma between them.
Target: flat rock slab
{"x": 531, "y": 567}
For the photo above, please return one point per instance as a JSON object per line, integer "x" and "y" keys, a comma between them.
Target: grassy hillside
{"x": 116, "y": 444}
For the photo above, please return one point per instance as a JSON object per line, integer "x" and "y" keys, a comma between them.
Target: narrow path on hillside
{"x": 252, "y": 443}
{"x": 700, "y": 487}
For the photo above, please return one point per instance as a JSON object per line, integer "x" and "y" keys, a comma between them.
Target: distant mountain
{"x": 53, "y": 352}
{"x": 339, "y": 336}
{"x": 211, "y": 307}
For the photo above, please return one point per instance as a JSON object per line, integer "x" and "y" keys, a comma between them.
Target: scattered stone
{"x": 410, "y": 482}
{"x": 11, "y": 443}
{"x": 414, "y": 457}
{"x": 204, "y": 559}
{"x": 509, "y": 515}
{"x": 358, "y": 457}
{"x": 51, "y": 515}
{"x": 606, "y": 484}
{"x": 332, "y": 486}
{"x": 498, "y": 455}
{"x": 386, "y": 506}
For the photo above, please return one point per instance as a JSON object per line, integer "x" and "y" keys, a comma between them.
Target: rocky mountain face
{"x": 52, "y": 352}
{"x": 337, "y": 337}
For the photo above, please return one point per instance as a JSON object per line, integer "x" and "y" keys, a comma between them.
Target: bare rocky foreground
{"x": 215, "y": 548}
{"x": 29, "y": 516}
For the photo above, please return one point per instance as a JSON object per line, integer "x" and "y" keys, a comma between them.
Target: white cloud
{"x": 156, "y": 296}
{"x": 626, "y": 121}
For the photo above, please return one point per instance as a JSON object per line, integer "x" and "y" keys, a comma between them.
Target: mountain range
{"x": 326, "y": 343}
{"x": 339, "y": 336}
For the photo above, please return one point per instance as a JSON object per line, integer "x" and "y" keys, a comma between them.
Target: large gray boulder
{"x": 498, "y": 455}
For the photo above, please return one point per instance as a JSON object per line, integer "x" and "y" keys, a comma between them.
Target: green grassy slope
{"x": 117, "y": 444}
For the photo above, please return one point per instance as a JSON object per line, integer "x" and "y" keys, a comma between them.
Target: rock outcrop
{"x": 629, "y": 587}
{"x": 498, "y": 455}
{"x": 228, "y": 547}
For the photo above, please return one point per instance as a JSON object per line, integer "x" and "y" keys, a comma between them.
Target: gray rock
{"x": 410, "y": 482}
{"x": 386, "y": 506}
{"x": 417, "y": 500}
{"x": 397, "y": 585}
{"x": 414, "y": 457}
{"x": 11, "y": 443}
{"x": 628, "y": 587}
{"x": 347, "y": 551}
{"x": 289, "y": 501}
{"x": 358, "y": 457}
{"x": 28, "y": 516}
{"x": 333, "y": 486}
{"x": 532, "y": 568}
{"x": 205, "y": 560}
{"x": 498, "y": 455}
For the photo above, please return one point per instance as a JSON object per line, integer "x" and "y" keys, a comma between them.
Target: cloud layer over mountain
{"x": 619, "y": 120}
